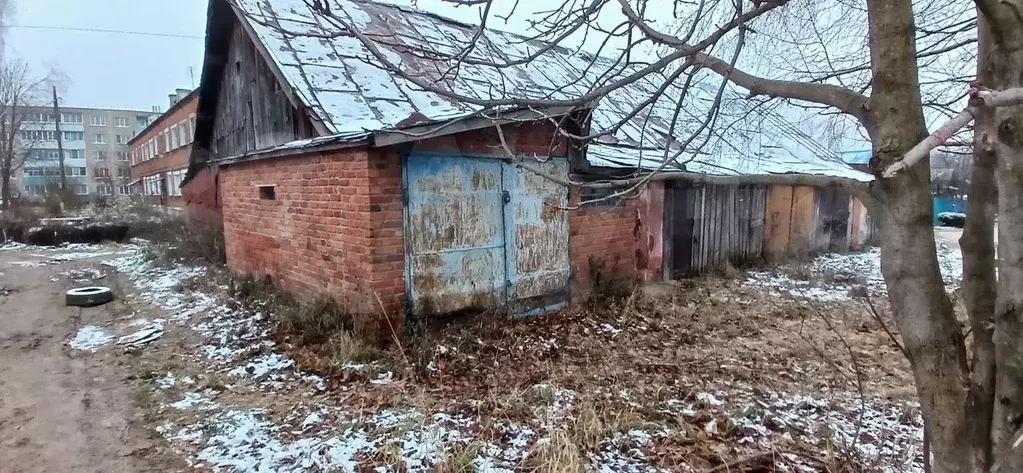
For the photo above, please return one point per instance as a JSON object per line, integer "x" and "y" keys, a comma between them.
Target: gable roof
{"x": 341, "y": 85}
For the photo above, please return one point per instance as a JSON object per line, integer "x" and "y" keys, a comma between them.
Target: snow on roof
{"x": 340, "y": 81}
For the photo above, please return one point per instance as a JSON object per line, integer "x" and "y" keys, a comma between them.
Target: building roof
{"x": 192, "y": 96}
{"x": 339, "y": 80}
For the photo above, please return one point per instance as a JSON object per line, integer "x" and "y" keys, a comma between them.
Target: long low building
{"x": 337, "y": 177}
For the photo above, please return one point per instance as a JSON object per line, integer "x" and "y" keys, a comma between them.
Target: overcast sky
{"x": 112, "y": 70}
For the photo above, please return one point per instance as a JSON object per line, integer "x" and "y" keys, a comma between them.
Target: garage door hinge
{"x": 506, "y": 196}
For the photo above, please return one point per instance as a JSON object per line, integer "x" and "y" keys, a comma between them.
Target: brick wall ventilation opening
{"x": 267, "y": 193}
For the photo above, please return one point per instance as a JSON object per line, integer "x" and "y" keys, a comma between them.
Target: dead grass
{"x": 315, "y": 323}
{"x": 344, "y": 348}
{"x": 556, "y": 454}
{"x": 461, "y": 459}
{"x": 177, "y": 240}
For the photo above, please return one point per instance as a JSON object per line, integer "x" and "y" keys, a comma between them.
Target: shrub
{"x": 179, "y": 240}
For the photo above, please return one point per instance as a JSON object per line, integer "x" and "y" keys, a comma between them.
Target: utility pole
{"x": 60, "y": 142}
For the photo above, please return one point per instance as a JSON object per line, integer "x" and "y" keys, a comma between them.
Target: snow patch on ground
{"x": 836, "y": 277}
{"x": 245, "y": 439}
{"x": 90, "y": 338}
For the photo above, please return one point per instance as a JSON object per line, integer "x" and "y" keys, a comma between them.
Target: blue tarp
{"x": 944, "y": 204}
{"x": 861, "y": 156}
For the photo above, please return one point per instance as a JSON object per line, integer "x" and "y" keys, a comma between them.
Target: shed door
{"x": 536, "y": 232}
{"x": 483, "y": 235}
{"x": 455, "y": 234}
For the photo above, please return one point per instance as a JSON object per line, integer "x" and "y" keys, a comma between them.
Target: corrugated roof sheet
{"x": 340, "y": 81}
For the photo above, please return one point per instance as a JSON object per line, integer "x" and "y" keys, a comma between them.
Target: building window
{"x": 97, "y": 121}
{"x": 174, "y": 180}
{"x": 74, "y": 154}
{"x": 103, "y": 189}
{"x": 53, "y": 171}
{"x": 39, "y": 117}
{"x": 122, "y": 155}
{"x": 35, "y": 154}
{"x": 36, "y": 190}
{"x": 74, "y": 135}
{"x": 39, "y": 135}
{"x": 100, "y": 154}
{"x": 99, "y": 138}
{"x": 121, "y": 122}
{"x": 123, "y": 190}
{"x": 166, "y": 141}
{"x": 267, "y": 193}
{"x": 123, "y": 173}
{"x": 141, "y": 121}
{"x": 101, "y": 172}
{"x": 121, "y": 139}
{"x": 71, "y": 118}
{"x": 175, "y": 137}
{"x": 80, "y": 189}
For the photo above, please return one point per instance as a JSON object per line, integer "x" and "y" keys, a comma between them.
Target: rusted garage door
{"x": 484, "y": 235}
{"x": 454, "y": 234}
{"x": 536, "y": 232}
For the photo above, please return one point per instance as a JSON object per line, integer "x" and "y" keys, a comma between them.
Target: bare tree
{"x": 972, "y": 402}
{"x": 19, "y": 91}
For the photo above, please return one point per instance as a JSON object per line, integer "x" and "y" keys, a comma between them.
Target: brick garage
{"x": 332, "y": 222}
{"x": 334, "y": 226}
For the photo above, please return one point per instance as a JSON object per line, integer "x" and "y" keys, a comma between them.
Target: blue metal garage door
{"x": 482, "y": 235}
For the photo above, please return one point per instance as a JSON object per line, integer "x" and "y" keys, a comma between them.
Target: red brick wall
{"x": 168, "y": 161}
{"x": 335, "y": 227}
{"x": 201, "y": 197}
{"x": 525, "y": 139}
{"x": 604, "y": 234}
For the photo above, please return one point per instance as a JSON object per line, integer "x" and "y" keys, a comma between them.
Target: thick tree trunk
{"x": 1006, "y": 52}
{"x": 978, "y": 250}
{"x": 909, "y": 262}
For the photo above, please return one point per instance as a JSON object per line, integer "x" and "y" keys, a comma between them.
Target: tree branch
{"x": 841, "y": 98}
{"x": 979, "y": 98}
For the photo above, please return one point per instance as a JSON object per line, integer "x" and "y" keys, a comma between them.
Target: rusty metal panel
{"x": 536, "y": 236}
{"x": 778, "y": 222}
{"x": 801, "y": 234}
{"x": 455, "y": 234}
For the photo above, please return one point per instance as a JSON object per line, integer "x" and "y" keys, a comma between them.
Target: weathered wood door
{"x": 483, "y": 235}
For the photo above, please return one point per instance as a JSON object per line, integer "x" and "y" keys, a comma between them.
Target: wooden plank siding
{"x": 253, "y": 111}
{"x": 712, "y": 226}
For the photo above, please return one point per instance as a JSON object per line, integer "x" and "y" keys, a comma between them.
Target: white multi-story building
{"x": 95, "y": 144}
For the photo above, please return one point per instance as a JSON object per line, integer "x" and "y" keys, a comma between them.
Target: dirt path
{"x": 62, "y": 410}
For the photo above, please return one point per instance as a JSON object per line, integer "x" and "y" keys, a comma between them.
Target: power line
{"x": 97, "y": 30}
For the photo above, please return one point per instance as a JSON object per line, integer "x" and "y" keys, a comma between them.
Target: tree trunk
{"x": 922, "y": 311}
{"x": 978, "y": 248}
{"x": 1006, "y": 53}
{"x": 5, "y": 187}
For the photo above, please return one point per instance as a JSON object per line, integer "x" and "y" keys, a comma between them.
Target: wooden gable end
{"x": 253, "y": 110}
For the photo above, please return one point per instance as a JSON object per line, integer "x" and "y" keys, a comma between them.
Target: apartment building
{"x": 96, "y": 151}
{"x": 159, "y": 153}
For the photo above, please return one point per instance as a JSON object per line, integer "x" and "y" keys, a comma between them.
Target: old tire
{"x": 88, "y": 296}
